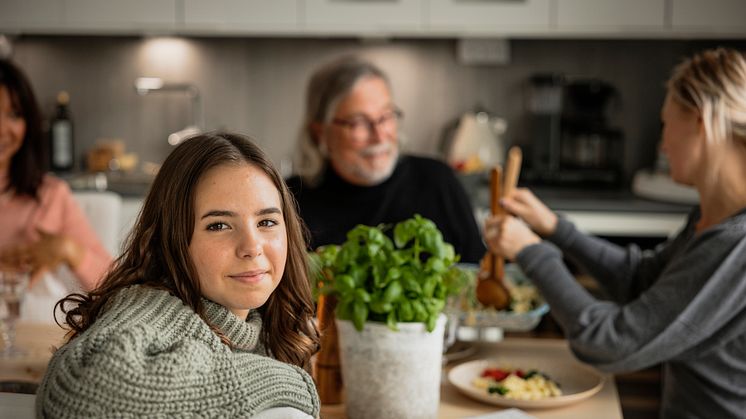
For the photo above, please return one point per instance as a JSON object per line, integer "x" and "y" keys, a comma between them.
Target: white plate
{"x": 459, "y": 350}
{"x": 577, "y": 381}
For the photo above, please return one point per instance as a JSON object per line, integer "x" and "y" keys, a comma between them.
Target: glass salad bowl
{"x": 525, "y": 311}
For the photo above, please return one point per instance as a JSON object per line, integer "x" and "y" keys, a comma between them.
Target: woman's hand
{"x": 507, "y": 235}
{"x": 44, "y": 255}
{"x": 525, "y": 205}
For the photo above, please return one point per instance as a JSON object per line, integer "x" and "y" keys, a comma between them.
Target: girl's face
{"x": 12, "y": 129}
{"x": 239, "y": 244}
{"x": 683, "y": 142}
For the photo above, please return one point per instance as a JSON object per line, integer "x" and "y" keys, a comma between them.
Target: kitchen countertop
{"x": 577, "y": 198}
{"x": 39, "y": 339}
{"x": 604, "y": 212}
{"x": 135, "y": 184}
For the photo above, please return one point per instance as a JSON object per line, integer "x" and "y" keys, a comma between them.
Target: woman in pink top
{"x": 41, "y": 226}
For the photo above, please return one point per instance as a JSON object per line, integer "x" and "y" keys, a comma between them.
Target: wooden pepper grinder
{"x": 327, "y": 370}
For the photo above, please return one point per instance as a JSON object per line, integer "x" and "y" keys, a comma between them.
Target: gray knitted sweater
{"x": 149, "y": 355}
{"x": 683, "y": 304}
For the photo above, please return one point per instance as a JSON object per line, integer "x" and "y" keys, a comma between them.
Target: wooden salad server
{"x": 491, "y": 290}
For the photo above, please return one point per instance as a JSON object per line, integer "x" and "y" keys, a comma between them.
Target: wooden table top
{"x": 453, "y": 404}
{"x": 39, "y": 340}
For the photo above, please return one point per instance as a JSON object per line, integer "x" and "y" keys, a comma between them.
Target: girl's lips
{"x": 250, "y": 277}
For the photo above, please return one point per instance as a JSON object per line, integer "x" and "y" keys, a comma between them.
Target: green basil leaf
{"x": 431, "y": 321}
{"x": 344, "y": 283}
{"x": 391, "y": 321}
{"x": 406, "y": 314}
{"x": 359, "y": 314}
{"x": 380, "y": 307}
{"x": 429, "y": 285}
{"x": 362, "y": 295}
{"x": 420, "y": 313}
{"x": 344, "y": 310}
{"x": 392, "y": 292}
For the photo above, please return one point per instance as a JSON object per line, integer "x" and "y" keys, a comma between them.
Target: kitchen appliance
{"x": 474, "y": 143}
{"x": 573, "y": 142}
{"x": 545, "y": 106}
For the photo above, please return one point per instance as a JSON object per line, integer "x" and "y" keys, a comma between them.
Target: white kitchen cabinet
{"x": 712, "y": 17}
{"x": 609, "y": 17}
{"x": 487, "y": 17}
{"x": 131, "y": 207}
{"x": 242, "y": 16}
{"x": 116, "y": 16}
{"x": 22, "y": 15}
{"x": 380, "y": 18}
{"x": 363, "y": 17}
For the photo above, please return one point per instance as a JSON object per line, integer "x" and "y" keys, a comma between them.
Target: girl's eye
{"x": 268, "y": 223}
{"x": 217, "y": 226}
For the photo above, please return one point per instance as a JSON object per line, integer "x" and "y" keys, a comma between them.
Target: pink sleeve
{"x": 74, "y": 224}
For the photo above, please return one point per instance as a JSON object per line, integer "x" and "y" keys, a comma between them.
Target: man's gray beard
{"x": 374, "y": 177}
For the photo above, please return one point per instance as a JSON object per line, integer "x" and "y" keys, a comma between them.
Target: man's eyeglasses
{"x": 361, "y": 127}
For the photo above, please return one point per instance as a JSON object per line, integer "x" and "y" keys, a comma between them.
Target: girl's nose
{"x": 250, "y": 246}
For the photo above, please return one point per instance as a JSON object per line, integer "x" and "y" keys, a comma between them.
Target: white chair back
{"x": 103, "y": 210}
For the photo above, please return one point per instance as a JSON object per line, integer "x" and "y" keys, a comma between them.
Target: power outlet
{"x": 476, "y": 51}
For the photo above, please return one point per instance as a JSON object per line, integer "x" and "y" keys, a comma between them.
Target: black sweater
{"x": 418, "y": 185}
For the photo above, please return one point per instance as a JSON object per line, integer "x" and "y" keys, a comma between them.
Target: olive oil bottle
{"x": 61, "y": 144}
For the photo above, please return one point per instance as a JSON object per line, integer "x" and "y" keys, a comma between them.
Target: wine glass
{"x": 12, "y": 290}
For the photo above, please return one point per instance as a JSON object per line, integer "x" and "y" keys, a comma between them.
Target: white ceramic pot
{"x": 391, "y": 374}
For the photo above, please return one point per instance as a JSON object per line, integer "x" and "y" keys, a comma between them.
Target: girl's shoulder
{"x": 141, "y": 301}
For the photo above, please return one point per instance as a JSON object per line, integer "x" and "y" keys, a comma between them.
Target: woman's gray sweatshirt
{"x": 682, "y": 304}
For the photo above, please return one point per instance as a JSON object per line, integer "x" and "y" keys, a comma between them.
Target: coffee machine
{"x": 572, "y": 140}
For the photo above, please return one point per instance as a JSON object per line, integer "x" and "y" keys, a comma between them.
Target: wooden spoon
{"x": 491, "y": 290}
{"x": 512, "y": 170}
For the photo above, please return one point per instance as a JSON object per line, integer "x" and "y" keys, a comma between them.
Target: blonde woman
{"x": 682, "y": 304}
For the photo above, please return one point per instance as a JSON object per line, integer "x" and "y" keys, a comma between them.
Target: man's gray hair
{"x": 326, "y": 88}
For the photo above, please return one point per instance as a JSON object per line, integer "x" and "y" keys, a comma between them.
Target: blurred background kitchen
{"x": 578, "y": 84}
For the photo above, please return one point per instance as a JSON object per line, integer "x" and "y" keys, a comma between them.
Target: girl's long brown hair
{"x": 156, "y": 252}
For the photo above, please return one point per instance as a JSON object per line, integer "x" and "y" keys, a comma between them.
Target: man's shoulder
{"x": 294, "y": 182}
{"x": 426, "y": 165}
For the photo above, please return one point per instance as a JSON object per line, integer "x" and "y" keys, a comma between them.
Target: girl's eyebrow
{"x": 270, "y": 210}
{"x": 218, "y": 213}
{"x": 226, "y": 213}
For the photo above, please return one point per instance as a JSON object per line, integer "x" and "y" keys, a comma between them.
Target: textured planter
{"x": 390, "y": 374}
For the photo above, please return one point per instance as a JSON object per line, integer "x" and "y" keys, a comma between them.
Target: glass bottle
{"x": 61, "y": 147}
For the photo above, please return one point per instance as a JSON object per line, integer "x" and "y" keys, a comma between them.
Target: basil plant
{"x": 377, "y": 279}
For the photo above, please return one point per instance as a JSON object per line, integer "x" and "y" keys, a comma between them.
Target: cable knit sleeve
{"x": 153, "y": 356}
